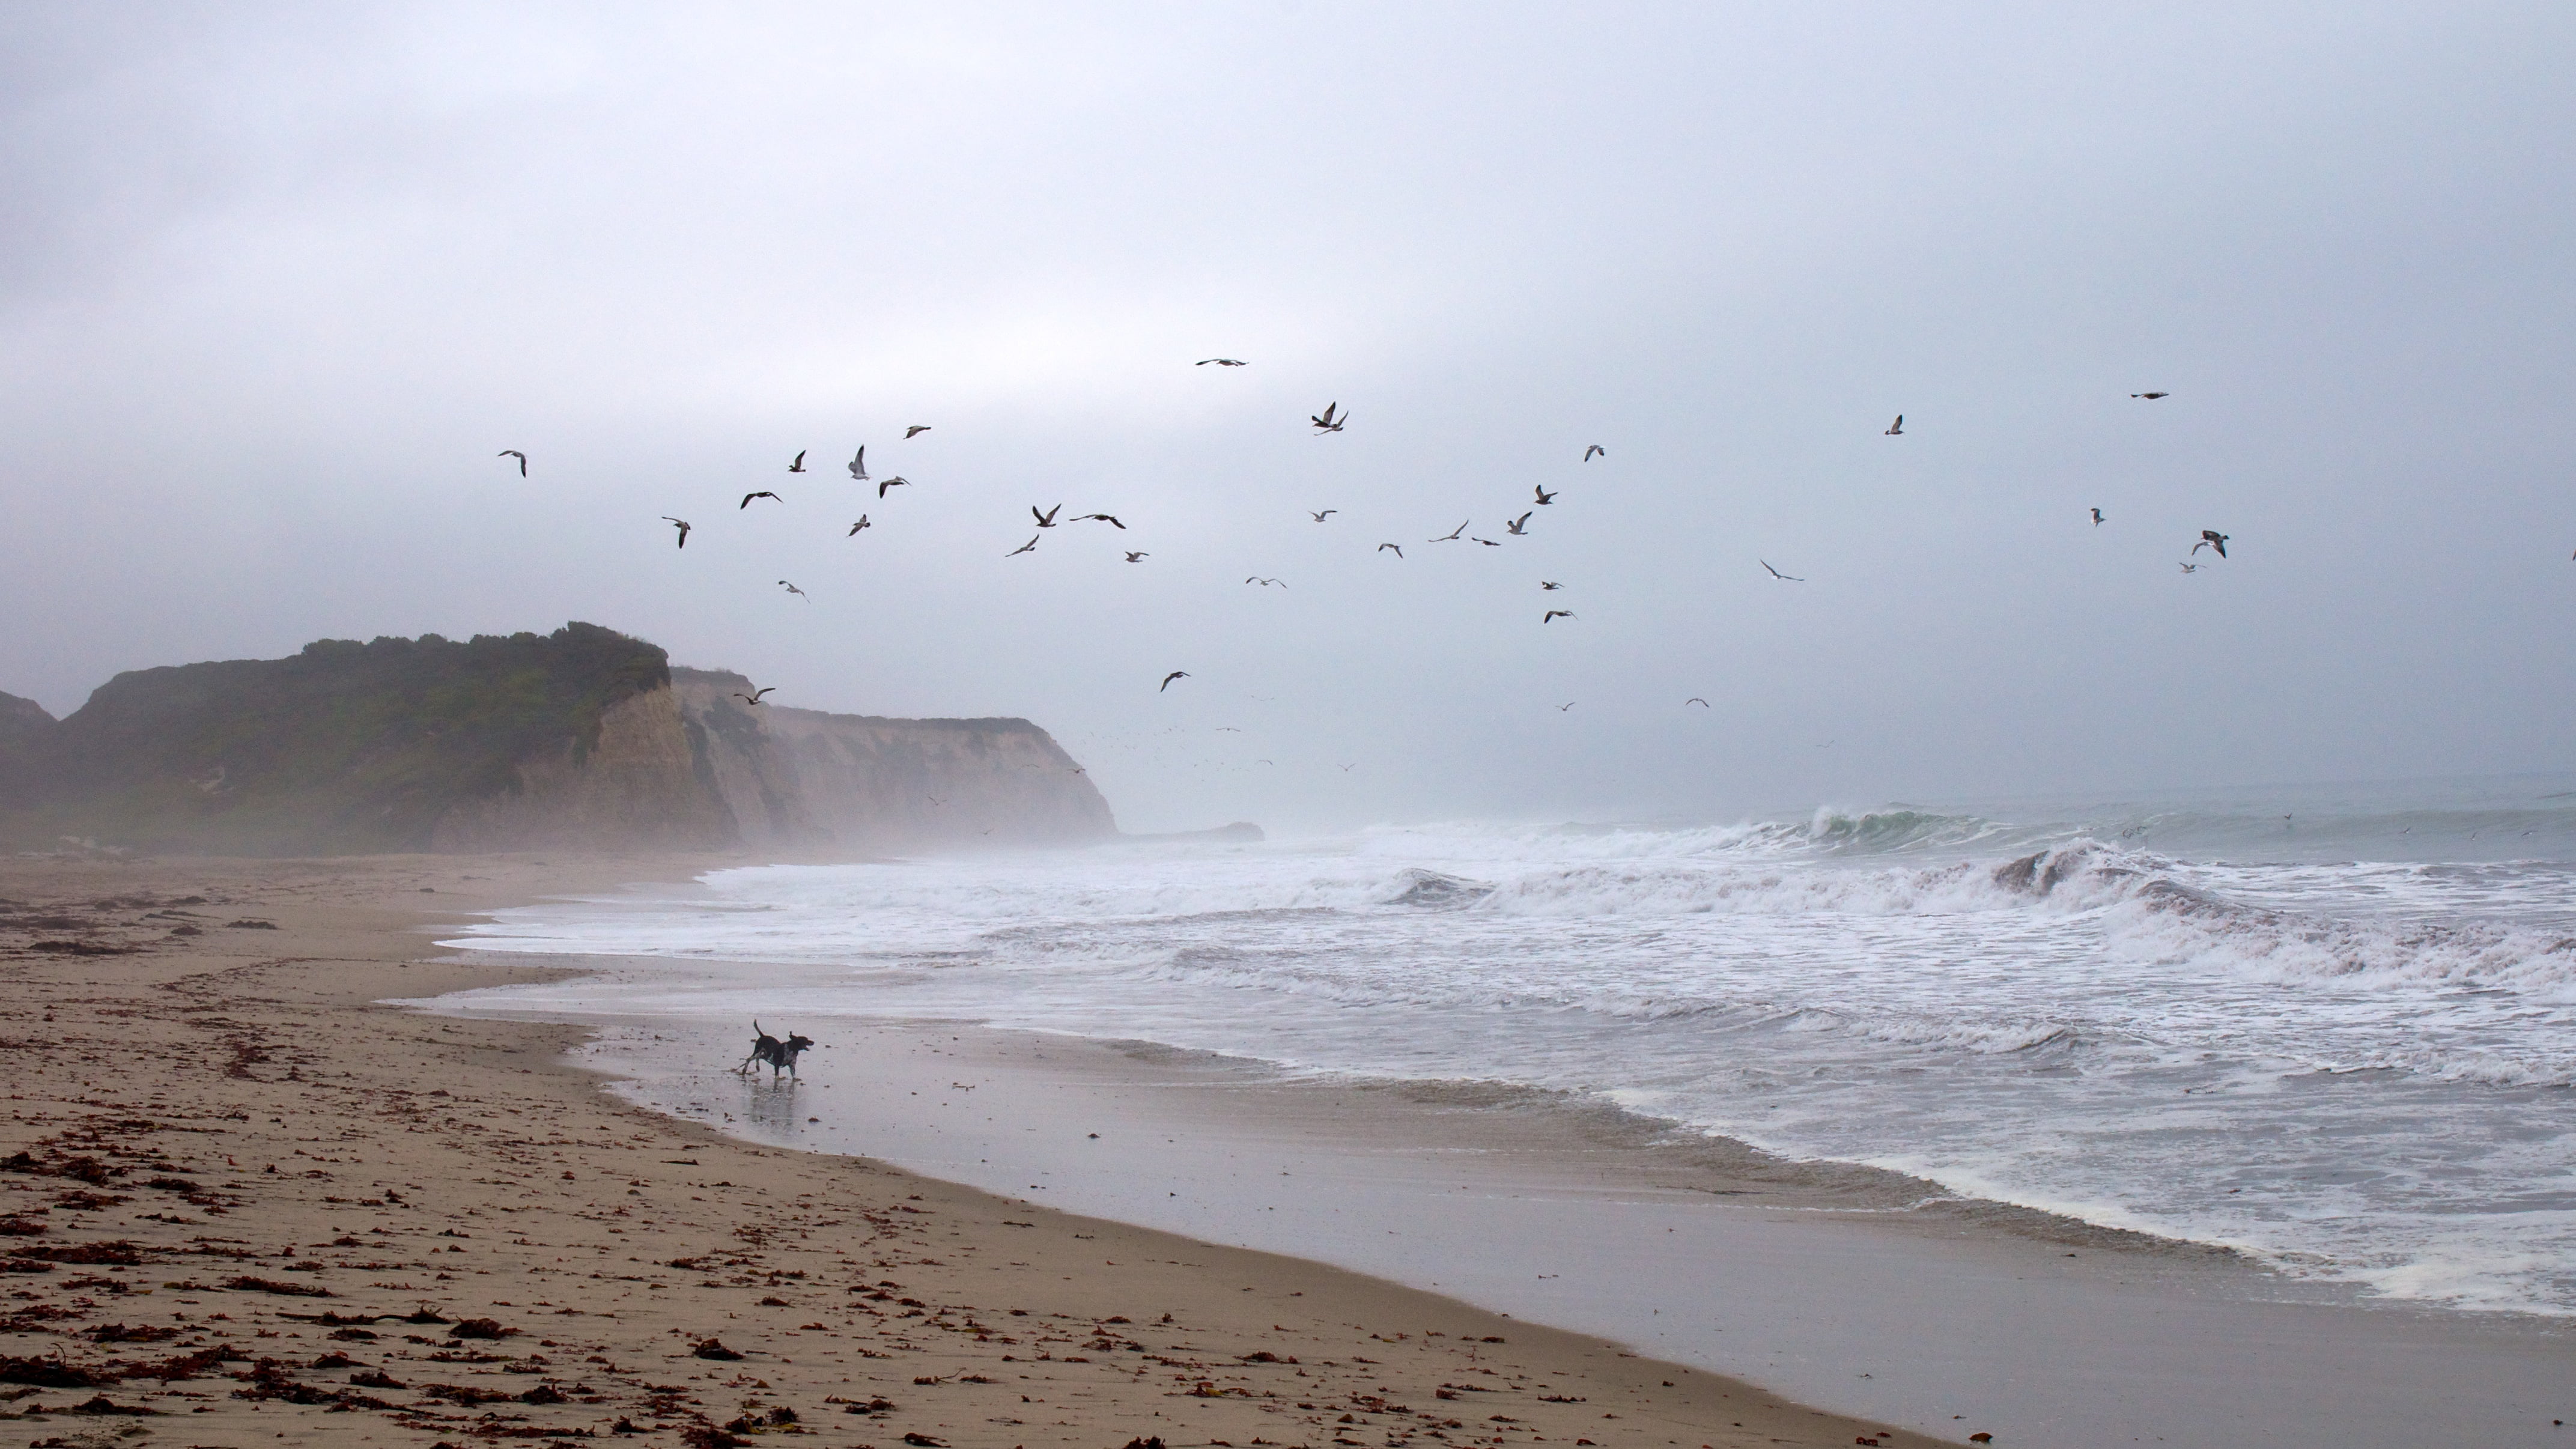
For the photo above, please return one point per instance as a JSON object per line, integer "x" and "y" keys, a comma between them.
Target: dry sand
{"x": 243, "y": 1204}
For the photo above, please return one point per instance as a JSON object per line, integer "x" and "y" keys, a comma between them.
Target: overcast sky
{"x": 280, "y": 281}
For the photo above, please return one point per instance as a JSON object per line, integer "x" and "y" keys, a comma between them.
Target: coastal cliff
{"x": 584, "y": 738}
{"x": 869, "y": 782}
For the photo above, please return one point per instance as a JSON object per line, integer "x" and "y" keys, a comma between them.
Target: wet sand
{"x": 1842, "y": 1287}
{"x": 246, "y": 1204}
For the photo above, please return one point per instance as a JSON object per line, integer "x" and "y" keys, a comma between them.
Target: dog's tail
{"x": 755, "y": 1027}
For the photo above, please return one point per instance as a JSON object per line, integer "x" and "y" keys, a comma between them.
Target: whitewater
{"x": 2332, "y": 1029}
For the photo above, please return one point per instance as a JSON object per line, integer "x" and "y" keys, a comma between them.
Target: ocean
{"x": 2333, "y": 1028}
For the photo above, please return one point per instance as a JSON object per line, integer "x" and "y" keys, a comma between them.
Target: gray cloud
{"x": 279, "y": 282}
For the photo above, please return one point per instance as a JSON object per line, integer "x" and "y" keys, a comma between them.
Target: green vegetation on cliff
{"x": 346, "y": 747}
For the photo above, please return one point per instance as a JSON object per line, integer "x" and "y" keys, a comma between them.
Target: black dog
{"x": 780, "y": 1055}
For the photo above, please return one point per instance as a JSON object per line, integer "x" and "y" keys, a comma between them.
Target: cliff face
{"x": 345, "y": 747}
{"x": 26, "y": 737}
{"x": 584, "y": 738}
{"x": 637, "y": 786}
{"x": 870, "y": 783}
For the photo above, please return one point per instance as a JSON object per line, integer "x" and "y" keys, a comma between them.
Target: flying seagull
{"x": 2191, "y": 568}
{"x": 683, "y": 526}
{"x": 1221, "y": 362}
{"x": 1265, "y": 583}
{"x": 1330, "y": 420}
{"x": 1399, "y": 548}
{"x": 1544, "y": 497}
{"x": 1023, "y": 548}
{"x": 2212, "y": 538}
{"x": 1489, "y": 543}
{"x": 1695, "y": 700}
{"x": 2097, "y": 518}
{"x": 1138, "y": 557}
{"x": 859, "y": 465}
{"x": 1552, "y": 615}
{"x": 763, "y": 493}
{"x": 1098, "y": 518}
{"x": 1549, "y": 586}
{"x": 1897, "y": 428}
{"x": 916, "y": 429}
{"x": 1168, "y": 678}
{"x": 1046, "y": 519}
{"x": 515, "y": 453}
{"x": 2151, "y": 396}
{"x": 800, "y": 593}
{"x": 754, "y": 696}
{"x": 798, "y": 466}
{"x": 897, "y": 481}
{"x": 862, "y": 523}
{"x": 1518, "y": 525}
{"x": 1775, "y": 573}
{"x": 1595, "y": 451}
{"x": 1562, "y": 708}
{"x": 1320, "y": 517}
{"x": 1452, "y": 535}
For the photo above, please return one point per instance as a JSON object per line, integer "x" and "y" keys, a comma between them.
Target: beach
{"x": 248, "y": 1204}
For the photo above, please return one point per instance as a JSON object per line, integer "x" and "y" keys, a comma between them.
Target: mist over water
{"x": 2335, "y": 1029}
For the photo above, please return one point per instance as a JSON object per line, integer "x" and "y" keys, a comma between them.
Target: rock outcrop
{"x": 868, "y": 782}
{"x": 584, "y": 738}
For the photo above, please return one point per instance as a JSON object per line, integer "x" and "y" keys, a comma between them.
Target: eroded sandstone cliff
{"x": 584, "y": 738}
{"x": 873, "y": 783}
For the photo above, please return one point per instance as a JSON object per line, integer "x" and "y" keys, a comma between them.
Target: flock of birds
{"x": 1332, "y": 419}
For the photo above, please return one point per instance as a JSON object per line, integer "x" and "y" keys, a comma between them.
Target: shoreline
{"x": 1832, "y": 1293}
{"x": 252, "y": 1197}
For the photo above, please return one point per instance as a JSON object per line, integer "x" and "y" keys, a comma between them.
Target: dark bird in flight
{"x": 1553, "y": 615}
{"x": 798, "y": 465}
{"x": 859, "y": 465}
{"x": 1775, "y": 573}
{"x": 1399, "y": 548}
{"x": 1330, "y": 420}
{"x": 1595, "y": 451}
{"x": 763, "y": 493}
{"x": 897, "y": 481}
{"x": 1320, "y": 517}
{"x": 2097, "y": 518}
{"x": 755, "y": 695}
{"x": 1544, "y": 497}
{"x": 515, "y": 453}
{"x": 1265, "y": 583}
{"x": 1138, "y": 557}
{"x": 1221, "y": 362}
{"x": 1518, "y": 525}
{"x": 1023, "y": 548}
{"x": 1695, "y": 700}
{"x": 1452, "y": 535}
{"x": 2151, "y": 396}
{"x": 1549, "y": 586}
{"x": 1098, "y": 518}
{"x": 800, "y": 593}
{"x": 2212, "y": 538}
{"x": 682, "y": 524}
{"x": 1569, "y": 704}
{"x": 1897, "y": 428}
{"x": 862, "y": 523}
{"x": 916, "y": 429}
{"x": 1046, "y": 519}
{"x": 1489, "y": 543}
{"x": 1353, "y": 765}
{"x": 1168, "y": 678}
